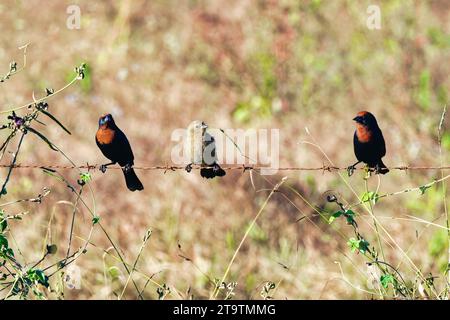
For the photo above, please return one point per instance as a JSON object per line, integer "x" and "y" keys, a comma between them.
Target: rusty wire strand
{"x": 236, "y": 167}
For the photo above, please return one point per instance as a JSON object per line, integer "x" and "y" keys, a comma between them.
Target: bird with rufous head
{"x": 115, "y": 146}
{"x": 368, "y": 143}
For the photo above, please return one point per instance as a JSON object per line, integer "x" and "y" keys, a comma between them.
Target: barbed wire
{"x": 241, "y": 167}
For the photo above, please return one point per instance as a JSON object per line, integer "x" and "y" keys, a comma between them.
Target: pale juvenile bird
{"x": 201, "y": 148}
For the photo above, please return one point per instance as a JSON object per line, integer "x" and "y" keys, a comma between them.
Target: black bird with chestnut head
{"x": 368, "y": 143}
{"x": 114, "y": 145}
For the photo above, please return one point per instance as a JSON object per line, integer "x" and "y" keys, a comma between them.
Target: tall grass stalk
{"x": 444, "y": 199}
{"x": 249, "y": 228}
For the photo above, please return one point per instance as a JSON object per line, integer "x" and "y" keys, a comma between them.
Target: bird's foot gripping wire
{"x": 188, "y": 168}
{"x": 380, "y": 170}
{"x": 103, "y": 167}
{"x": 216, "y": 167}
{"x": 351, "y": 170}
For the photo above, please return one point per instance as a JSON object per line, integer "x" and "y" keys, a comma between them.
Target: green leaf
{"x": 9, "y": 252}
{"x": 334, "y": 216}
{"x": 48, "y": 114}
{"x": 353, "y": 244}
{"x": 3, "y": 221}
{"x": 40, "y": 135}
{"x": 38, "y": 276}
{"x": 42, "y": 278}
{"x": 385, "y": 279}
{"x": 114, "y": 272}
{"x": 51, "y": 173}
{"x": 423, "y": 189}
{"x": 363, "y": 246}
{"x": 370, "y": 196}
{"x": 349, "y": 214}
{"x": 358, "y": 245}
{"x": 85, "y": 177}
{"x": 3, "y": 243}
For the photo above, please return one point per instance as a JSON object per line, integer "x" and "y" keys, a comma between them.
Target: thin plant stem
{"x": 73, "y": 222}
{"x": 43, "y": 98}
{"x": 444, "y": 198}
{"x": 374, "y": 220}
{"x": 144, "y": 243}
{"x": 3, "y": 189}
{"x": 249, "y": 228}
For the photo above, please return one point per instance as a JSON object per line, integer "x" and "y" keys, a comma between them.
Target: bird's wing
{"x": 209, "y": 152}
{"x": 382, "y": 145}
{"x": 123, "y": 146}
{"x": 357, "y": 148}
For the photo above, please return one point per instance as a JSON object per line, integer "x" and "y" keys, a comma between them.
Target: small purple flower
{"x": 18, "y": 121}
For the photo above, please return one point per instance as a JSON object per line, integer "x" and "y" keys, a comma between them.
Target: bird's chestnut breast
{"x": 363, "y": 133}
{"x": 105, "y": 136}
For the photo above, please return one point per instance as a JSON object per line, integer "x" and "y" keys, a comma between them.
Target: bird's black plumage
{"x": 216, "y": 170}
{"x": 368, "y": 142}
{"x": 115, "y": 146}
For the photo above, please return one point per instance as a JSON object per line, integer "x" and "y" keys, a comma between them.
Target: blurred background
{"x": 158, "y": 65}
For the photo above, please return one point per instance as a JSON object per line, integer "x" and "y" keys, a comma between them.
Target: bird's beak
{"x": 204, "y": 126}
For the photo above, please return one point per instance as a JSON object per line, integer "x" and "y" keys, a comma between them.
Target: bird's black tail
{"x": 215, "y": 171}
{"x": 382, "y": 168}
{"x": 133, "y": 182}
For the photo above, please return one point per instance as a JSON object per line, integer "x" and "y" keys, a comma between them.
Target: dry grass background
{"x": 157, "y": 65}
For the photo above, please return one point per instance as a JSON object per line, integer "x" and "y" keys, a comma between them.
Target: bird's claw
{"x": 188, "y": 168}
{"x": 377, "y": 169}
{"x": 350, "y": 170}
{"x": 103, "y": 168}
